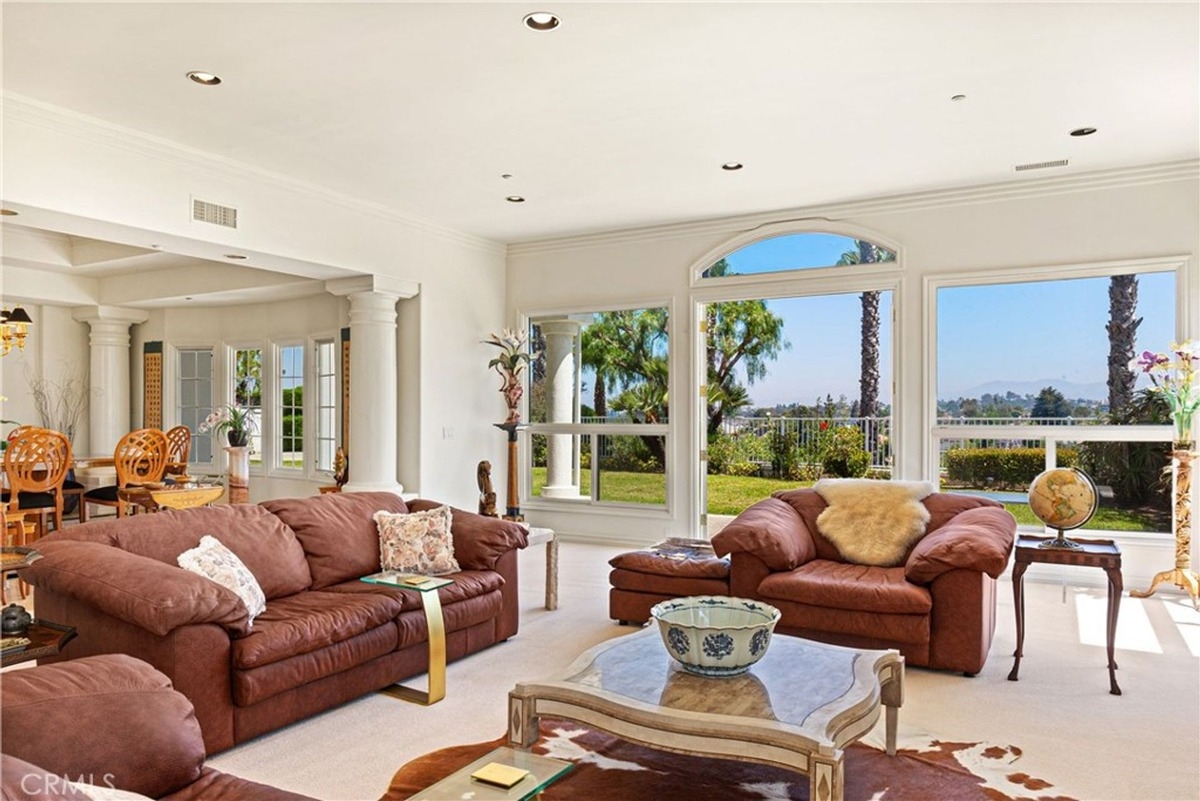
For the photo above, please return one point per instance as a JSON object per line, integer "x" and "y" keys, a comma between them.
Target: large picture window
{"x": 1035, "y": 374}
{"x": 326, "y": 404}
{"x": 247, "y": 393}
{"x": 194, "y": 390}
{"x": 598, "y": 407}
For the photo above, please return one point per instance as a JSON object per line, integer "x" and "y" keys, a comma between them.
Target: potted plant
{"x": 236, "y": 421}
{"x": 511, "y": 362}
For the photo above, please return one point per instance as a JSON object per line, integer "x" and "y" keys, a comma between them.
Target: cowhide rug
{"x": 610, "y": 769}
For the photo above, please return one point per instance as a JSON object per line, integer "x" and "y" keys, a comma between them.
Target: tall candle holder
{"x": 512, "y": 508}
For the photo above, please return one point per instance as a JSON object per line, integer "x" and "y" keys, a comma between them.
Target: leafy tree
{"x": 1050, "y": 403}
{"x": 1122, "y": 333}
{"x": 247, "y": 389}
{"x": 740, "y": 332}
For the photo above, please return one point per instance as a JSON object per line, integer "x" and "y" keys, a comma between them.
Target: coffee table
{"x": 459, "y": 784}
{"x": 797, "y": 708}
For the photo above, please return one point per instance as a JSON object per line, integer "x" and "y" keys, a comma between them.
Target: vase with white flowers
{"x": 236, "y": 422}
{"x": 513, "y": 359}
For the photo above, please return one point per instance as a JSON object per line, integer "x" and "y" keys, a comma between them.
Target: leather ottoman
{"x": 672, "y": 569}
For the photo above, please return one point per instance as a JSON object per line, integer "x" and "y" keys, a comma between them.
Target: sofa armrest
{"x": 479, "y": 541}
{"x": 771, "y": 530}
{"x": 977, "y": 539}
{"x": 150, "y": 594}
{"x": 112, "y": 719}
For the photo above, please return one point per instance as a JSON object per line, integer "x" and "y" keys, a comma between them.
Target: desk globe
{"x": 1063, "y": 498}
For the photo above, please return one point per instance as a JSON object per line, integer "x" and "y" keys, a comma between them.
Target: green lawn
{"x": 729, "y": 495}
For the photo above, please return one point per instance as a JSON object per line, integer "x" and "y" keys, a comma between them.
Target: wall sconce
{"x": 14, "y": 326}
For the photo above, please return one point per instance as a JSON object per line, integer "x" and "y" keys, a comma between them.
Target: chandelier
{"x": 14, "y": 326}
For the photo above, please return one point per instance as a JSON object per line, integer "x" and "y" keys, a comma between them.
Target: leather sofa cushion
{"x": 670, "y": 586}
{"x": 943, "y": 506}
{"x": 20, "y": 779}
{"x": 213, "y": 784}
{"x": 261, "y": 540}
{"x": 838, "y": 585}
{"x": 61, "y": 717}
{"x": 285, "y": 675}
{"x": 412, "y": 629}
{"x": 657, "y": 564}
{"x": 857, "y": 629}
{"x": 309, "y": 621}
{"x": 467, "y": 584}
{"x": 339, "y": 537}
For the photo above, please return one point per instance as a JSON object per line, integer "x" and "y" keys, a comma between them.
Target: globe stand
{"x": 1061, "y": 542}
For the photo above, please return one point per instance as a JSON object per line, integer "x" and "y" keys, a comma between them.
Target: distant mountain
{"x": 1071, "y": 390}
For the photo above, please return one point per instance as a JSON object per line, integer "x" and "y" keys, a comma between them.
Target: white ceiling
{"x": 623, "y": 116}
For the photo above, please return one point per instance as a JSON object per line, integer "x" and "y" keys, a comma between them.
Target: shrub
{"x": 727, "y": 450}
{"x": 1136, "y": 471}
{"x": 629, "y": 455}
{"x": 785, "y": 454}
{"x": 844, "y": 455}
{"x": 1001, "y": 468}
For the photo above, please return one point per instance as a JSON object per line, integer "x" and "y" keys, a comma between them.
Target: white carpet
{"x": 1144, "y": 744}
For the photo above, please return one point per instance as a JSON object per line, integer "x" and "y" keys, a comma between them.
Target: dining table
{"x": 166, "y": 496}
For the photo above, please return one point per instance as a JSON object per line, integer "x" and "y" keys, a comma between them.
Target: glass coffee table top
{"x": 542, "y": 771}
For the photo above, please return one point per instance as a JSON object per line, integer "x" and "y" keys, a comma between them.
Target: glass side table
{"x": 542, "y": 771}
{"x": 427, "y": 587}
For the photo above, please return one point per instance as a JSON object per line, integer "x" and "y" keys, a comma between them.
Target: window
{"x": 195, "y": 393}
{"x": 598, "y": 407}
{"x": 247, "y": 393}
{"x": 1033, "y": 374}
{"x": 800, "y": 251}
{"x": 326, "y": 435}
{"x": 290, "y": 436}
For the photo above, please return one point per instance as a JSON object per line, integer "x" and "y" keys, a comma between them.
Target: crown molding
{"x": 18, "y": 108}
{"x": 890, "y": 204}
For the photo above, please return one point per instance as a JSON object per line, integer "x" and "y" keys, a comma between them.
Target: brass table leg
{"x": 437, "y": 657}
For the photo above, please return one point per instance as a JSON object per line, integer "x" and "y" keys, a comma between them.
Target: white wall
{"x": 1136, "y": 214}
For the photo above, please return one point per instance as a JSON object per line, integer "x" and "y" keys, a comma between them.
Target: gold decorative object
{"x": 14, "y": 327}
{"x": 1182, "y": 575}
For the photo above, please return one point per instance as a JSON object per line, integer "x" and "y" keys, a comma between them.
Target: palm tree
{"x": 868, "y": 381}
{"x": 1122, "y": 333}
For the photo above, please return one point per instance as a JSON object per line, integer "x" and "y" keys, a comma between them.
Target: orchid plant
{"x": 1173, "y": 375}
{"x": 237, "y": 420}
{"x": 512, "y": 361}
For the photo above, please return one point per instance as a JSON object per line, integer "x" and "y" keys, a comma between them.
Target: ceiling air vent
{"x": 204, "y": 211}
{"x": 1040, "y": 165}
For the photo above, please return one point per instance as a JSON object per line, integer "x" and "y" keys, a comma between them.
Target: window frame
{"x": 277, "y": 467}
{"x": 666, "y": 430}
{"x": 173, "y": 400}
{"x": 318, "y": 433}
{"x": 1050, "y": 435}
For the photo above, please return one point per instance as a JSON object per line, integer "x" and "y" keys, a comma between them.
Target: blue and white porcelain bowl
{"x": 713, "y": 635}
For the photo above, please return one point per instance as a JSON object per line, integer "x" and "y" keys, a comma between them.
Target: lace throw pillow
{"x": 217, "y": 563}
{"x": 418, "y": 542}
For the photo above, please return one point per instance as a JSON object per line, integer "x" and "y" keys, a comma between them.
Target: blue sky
{"x": 1019, "y": 333}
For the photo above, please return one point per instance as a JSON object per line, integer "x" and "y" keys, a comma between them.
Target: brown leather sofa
{"x": 938, "y": 608}
{"x": 110, "y": 721}
{"x": 325, "y": 638}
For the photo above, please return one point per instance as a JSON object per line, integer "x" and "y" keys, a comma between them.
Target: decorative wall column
{"x": 108, "y": 374}
{"x": 561, "y": 405}
{"x": 372, "y": 449}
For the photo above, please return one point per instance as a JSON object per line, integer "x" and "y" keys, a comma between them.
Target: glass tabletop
{"x": 542, "y": 771}
{"x": 407, "y": 581}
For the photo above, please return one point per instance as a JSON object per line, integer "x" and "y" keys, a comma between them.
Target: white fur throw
{"x": 873, "y": 522}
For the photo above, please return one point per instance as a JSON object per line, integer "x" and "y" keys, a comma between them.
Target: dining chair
{"x": 35, "y": 466}
{"x": 140, "y": 458}
{"x": 179, "y": 447}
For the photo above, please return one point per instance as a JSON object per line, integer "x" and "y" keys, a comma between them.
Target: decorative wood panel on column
{"x": 152, "y": 387}
{"x": 345, "y": 440}
{"x": 109, "y": 415}
{"x": 372, "y": 446}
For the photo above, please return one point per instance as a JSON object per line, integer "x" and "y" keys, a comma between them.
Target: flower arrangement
{"x": 236, "y": 421}
{"x": 512, "y": 361}
{"x": 1174, "y": 377}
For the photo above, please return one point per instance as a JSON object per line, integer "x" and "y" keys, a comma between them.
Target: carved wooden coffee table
{"x": 797, "y": 708}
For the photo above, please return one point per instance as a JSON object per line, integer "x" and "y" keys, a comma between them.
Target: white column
{"x": 373, "y": 409}
{"x": 109, "y": 407}
{"x": 560, "y": 338}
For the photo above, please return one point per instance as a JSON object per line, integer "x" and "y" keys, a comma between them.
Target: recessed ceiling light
{"x": 515, "y": 199}
{"x": 958, "y": 98}
{"x": 1083, "y": 132}
{"x": 203, "y": 78}
{"x": 506, "y": 175}
{"x": 732, "y": 166}
{"x": 9, "y": 212}
{"x": 541, "y": 21}
{"x": 235, "y": 256}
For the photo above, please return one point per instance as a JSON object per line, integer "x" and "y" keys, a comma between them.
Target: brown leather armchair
{"x": 938, "y": 608}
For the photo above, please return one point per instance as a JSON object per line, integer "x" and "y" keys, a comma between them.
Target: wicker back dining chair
{"x": 179, "y": 447}
{"x": 36, "y": 462}
{"x": 140, "y": 458}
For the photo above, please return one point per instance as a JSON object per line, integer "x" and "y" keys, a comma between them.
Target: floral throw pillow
{"x": 217, "y": 563}
{"x": 418, "y": 542}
